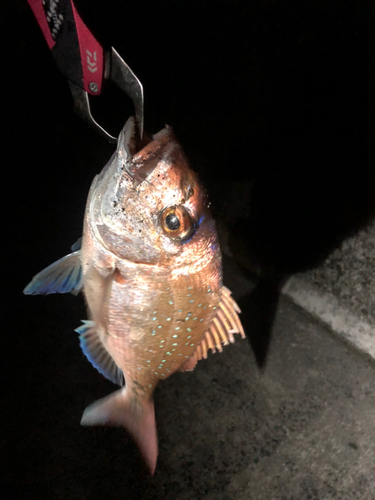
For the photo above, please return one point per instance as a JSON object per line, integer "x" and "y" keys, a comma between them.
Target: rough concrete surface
{"x": 341, "y": 291}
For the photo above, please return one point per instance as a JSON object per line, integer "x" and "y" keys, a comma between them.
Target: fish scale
{"x": 171, "y": 324}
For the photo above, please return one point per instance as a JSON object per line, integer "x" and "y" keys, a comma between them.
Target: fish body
{"x": 150, "y": 270}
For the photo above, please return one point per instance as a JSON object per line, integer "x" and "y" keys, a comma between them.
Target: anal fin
{"x": 97, "y": 354}
{"x": 225, "y": 324}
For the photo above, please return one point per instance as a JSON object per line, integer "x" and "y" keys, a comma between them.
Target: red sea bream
{"x": 150, "y": 270}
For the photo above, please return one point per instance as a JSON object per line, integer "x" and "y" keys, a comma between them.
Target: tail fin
{"x": 136, "y": 414}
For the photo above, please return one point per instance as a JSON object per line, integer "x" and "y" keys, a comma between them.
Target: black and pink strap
{"x": 77, "y": 53}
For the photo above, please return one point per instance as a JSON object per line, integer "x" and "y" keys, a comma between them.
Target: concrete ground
{"x": 302, "y": 427}
{"x": 341, "y": 290}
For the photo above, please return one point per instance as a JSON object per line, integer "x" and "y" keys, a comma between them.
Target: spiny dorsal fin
{"x": 224, "y": 325}
{"x": 63, "y": 276}
{"x": 97, "y": 354}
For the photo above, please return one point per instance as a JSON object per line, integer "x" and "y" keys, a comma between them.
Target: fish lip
{"x": 137, "y": 163}
{"x": 127, "y": 138}
{"x": 160, "y": 139}
{"x": 126, "y": 147}
{"x": 140, "y": 164}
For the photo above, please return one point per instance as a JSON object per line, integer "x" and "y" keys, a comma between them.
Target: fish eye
{"x": 172, "y": 222}
{"x": 176, "y": 222}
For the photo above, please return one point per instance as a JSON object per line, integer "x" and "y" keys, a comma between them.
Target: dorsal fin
{"x": 97, "y": 354}
{"x": 224, "y": 325}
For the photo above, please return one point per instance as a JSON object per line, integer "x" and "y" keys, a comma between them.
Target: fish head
{"x": 149, "y": 206}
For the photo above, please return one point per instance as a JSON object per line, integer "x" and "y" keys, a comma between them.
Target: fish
{"x": 150, "y": 268}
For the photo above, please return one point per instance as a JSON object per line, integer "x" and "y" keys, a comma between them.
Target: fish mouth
{"x": 140, "y": 158}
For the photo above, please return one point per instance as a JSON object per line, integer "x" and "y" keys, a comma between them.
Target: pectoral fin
{"x": 97, "y": 354}
{"x": 224, "y": 325}
{"x": 63, "y": 276}
{"x": 77, "y": 245}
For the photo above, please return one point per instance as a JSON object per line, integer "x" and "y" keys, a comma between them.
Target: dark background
{"x": 274, "y": 104}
